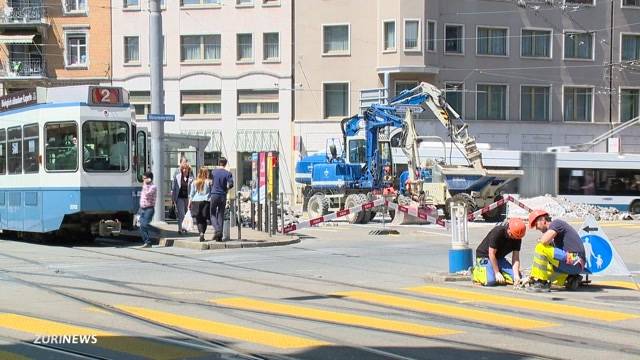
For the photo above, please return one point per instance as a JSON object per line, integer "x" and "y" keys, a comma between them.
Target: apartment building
{"x": 227, "y": 73}
{"x": 52, "y": 42}
{"x": 526, "y": 77}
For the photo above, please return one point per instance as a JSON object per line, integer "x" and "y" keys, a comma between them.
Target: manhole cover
{"x": 619, "y": 298}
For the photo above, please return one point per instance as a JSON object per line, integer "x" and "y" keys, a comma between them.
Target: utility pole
{"x": 611, "y": 66}
{"x": 157, "y": 104}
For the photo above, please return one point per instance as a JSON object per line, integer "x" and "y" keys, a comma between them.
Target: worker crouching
{"x": 559, "y": 255}
{"x": 492, "y": 267}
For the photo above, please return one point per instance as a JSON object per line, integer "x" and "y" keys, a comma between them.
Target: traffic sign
{"x": 161, "y": 117}
{"x": 600, "y": 255}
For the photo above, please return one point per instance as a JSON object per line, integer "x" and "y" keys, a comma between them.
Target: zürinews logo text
{"x": 65, "y": 339}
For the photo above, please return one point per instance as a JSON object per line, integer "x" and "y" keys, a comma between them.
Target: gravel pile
{"x": 561, "y": 207}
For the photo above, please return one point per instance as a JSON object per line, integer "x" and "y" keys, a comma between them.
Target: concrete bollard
{"x": 460, "y": 255}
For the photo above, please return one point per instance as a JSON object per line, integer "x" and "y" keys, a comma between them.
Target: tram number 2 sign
{"x": 109, "y": 96}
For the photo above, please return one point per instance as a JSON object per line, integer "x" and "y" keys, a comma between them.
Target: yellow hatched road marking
{"x": 255, "y": 336}
{"x": 11, "y": 356}
{"x": 334, "y": 317}
{"x": 458, "y": 312}
{"x": 515, "y": 302}
{"x": 106, "y": 340}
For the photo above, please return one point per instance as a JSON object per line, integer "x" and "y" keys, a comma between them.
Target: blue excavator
{"x": 336, "y": 180}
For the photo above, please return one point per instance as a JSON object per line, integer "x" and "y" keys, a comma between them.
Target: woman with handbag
{"x": 180, "y": 185}
{"x": 199, "y": 200}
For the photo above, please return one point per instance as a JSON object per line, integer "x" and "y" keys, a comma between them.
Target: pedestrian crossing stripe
{"x": 515, "y": 302}
{"x": 12, "y": 356}
{"x": 106, "y": 340}
{"x": 334, "y": 317}
{"x": 452, "y": 311}
{"x": 219, "y": 329}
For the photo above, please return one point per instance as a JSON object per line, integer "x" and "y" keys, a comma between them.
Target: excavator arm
{"x": 429, "y": 97}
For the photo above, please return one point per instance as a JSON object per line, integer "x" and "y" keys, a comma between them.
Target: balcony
{"x": 23, "y": 17}
{"x": 23, "y": 69}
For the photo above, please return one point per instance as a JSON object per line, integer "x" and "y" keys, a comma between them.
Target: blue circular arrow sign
{"x": 598, "y": 253}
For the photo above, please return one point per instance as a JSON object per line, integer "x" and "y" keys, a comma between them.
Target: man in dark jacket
{"x": 221, "y": 182}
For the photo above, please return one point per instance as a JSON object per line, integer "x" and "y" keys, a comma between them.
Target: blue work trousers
{"x": 503, "y": 264}
{"x": 145, "y": 223}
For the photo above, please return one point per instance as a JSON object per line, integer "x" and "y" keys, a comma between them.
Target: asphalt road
{"x": 339, "y": 294}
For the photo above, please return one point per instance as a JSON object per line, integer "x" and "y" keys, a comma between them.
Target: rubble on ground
{"x": 564, "y": 208}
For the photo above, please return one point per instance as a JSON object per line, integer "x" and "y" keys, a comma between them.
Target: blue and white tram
{"x": 66, "y": 161}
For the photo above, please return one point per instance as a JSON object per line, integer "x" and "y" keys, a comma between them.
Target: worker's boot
{"x": 539, "y": 286}
{"x": 573, "y": 282}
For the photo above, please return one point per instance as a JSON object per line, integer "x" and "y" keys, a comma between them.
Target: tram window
{"x": 3, "y": 151}
{"x": 14, "y": 153}
{"x": 141, "y": 155}
{"x": 606, "y": 182}
{"x": 31, "y": 148}
{"x": 105, "y": 146}
{"x": 61, "y": 148}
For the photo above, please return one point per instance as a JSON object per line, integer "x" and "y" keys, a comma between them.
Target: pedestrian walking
{"x": 180, "y": 185}
{"x": 221, "y": 182}
{"x": 199, "y": 200}
{"x": 147, "y": 203}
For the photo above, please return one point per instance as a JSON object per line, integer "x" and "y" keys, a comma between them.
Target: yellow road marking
{"x": 255, "y": 336}
{"x": 11, "y": 356}
{"x": 619, "y": 284}
{"x": 105, "y": 339}
{"x": 515, "y": 302}
{"x": 458, "y": 312}
{"x": 334, "y": 317}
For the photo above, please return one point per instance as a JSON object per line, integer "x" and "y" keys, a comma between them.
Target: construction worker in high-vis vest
{"x": 492, "y": 267}
{"x": 558, "y": 256}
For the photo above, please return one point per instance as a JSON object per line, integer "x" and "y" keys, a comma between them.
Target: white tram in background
{"x": 69, "y": 161}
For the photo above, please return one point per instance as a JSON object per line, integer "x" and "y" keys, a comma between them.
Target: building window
{"x": 14, "y": 137}
{"x": 270, "y": 2}
{"x": 271, "y": 46}
{"x": 578, "y": 45}
{"x": 453, "y": 35}
{"x": 454, "y": 96}
{"x": 401, "y": 86}
{"x": 412, "y": 35}
{"x": 200, "y": 104}
{"x": 492, "y": 102}
{"x": 244, "y": 2}
{"x": 389, "y": 35}
{"x": 76, "y": 49}
{"x": 431, "y": 35}
{"x": 131, "y": 4}
{"x": 534, "y": 103}
{"x": 245, "y": 47}
{"x": 61, "y": 147}
{"x": 631, "y": 3}
{"x": 630, "y": 47}
{"x": 141, "y": 102}
{"x": 199, "y": 2}
{"x": 629, "y": 104}
{"x": 258, "y": 102}
{"x": 335, "y": 39}
{"x": 131, "y": 49}
{"x": 336, "y": 99}
{"x": 536, "y": 43}
{"x": 577, "y": 104}
{"x": 492, "y": 41}
{"x": 72, "y": 6}
{"x": 200, "y": 48}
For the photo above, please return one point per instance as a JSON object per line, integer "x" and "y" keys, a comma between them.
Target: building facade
{"x": 53, "y": 43}
{"x": 227, "y": 73}
{"x": 524, "y": 77}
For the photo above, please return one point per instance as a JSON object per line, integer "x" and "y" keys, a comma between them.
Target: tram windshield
{"x": 105, "y": 146}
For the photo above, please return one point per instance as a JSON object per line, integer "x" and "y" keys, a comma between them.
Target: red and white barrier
{"x": 424, "y": 214}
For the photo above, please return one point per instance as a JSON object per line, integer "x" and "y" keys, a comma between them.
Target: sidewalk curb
{"x": 440, "y": 277}
{"x": 211, "y": 245}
